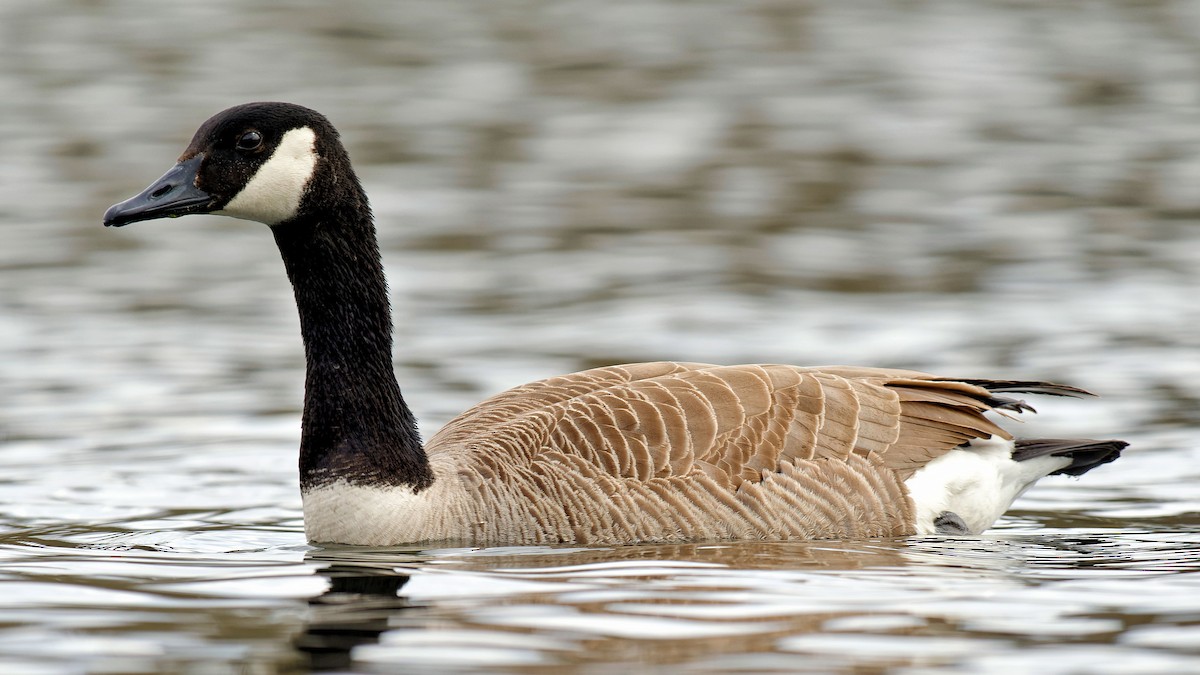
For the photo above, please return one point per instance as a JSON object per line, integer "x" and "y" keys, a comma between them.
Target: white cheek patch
{"x": 273, "y": 194}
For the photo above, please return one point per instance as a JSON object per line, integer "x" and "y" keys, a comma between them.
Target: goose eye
{"x": 251, "y": 140}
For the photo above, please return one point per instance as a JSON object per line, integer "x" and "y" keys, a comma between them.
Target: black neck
{"x": 356, "y": 426}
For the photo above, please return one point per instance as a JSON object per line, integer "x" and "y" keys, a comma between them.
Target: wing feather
{"x": 661, "y": 419}
{"x": 653, "y": 450}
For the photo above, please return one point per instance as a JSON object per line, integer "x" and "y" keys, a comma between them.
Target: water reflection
{"x": 786, "y": 607}
{"x": 951, "y": 603}
{"x": 359, "y": 606}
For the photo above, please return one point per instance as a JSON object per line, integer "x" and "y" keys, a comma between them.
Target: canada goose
{"x": 647, "y": 452}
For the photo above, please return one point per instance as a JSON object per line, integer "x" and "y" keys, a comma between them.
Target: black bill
{"x": 173, "y": 195}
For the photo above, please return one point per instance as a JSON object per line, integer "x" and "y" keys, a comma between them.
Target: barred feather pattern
{"x": 668, "y": 452}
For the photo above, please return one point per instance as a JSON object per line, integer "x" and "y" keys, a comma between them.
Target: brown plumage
{"x": 685, "y": 451}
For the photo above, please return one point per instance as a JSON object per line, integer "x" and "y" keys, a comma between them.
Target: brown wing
{"x": 732, "y": 423}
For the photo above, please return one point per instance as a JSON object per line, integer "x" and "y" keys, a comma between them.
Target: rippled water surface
{"x": 1006, "y": 190}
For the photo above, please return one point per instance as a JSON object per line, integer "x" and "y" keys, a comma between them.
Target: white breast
{"x": 346, "y": 513}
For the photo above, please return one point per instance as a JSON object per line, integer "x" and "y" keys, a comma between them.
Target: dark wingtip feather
{"x": 1021, "y": 387}
{"x": 1013, "y": 404}
{"x": 1030, "y": 387}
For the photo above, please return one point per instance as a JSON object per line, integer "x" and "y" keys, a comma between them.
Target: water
{"x": 1005, "y": 190}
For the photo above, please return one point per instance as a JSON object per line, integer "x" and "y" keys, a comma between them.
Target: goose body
{"x": 633, "y": 453}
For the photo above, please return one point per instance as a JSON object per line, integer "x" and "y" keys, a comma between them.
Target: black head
{"x": 255, "y": 161}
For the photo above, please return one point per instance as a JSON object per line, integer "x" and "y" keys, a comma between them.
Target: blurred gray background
{"x": 1006, "y": 189}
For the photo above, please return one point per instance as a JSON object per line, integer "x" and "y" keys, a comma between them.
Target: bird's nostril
{"x": 161, "y": 191}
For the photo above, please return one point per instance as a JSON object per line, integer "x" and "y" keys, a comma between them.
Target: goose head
{"x": 257, "y": 161}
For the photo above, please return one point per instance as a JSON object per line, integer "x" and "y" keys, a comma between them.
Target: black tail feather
{"x": 1086, "y": 454}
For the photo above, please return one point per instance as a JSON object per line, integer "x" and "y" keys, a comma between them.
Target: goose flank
{"x": 646, "y": 452}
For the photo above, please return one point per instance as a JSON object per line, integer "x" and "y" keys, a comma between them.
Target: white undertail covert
{"x": 976, "y": 482}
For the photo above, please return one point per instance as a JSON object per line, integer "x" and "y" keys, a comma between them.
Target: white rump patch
{"x": 273, "y": 194}
{"x": 978, "y": 483}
